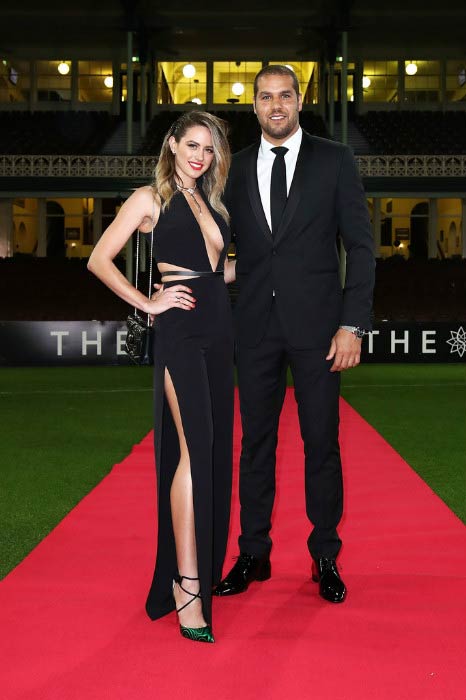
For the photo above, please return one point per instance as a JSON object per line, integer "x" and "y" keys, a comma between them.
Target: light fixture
{"x": 237, "y": 89}
{"x": 196, "y": 101}
{"x": 339, "y": 59}
{"x": 108, "y": 81}
{"x": 411, "y": 68}
{"x": 135, "y": 59}
{"x": 366, "y": 81}
{"x": 189, "y": 71}
{"x": 63, "y": 68}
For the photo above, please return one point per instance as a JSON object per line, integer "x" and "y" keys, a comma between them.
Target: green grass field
{"x": 63, "y": 429}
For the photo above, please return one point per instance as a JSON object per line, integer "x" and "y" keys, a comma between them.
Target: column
{"x": 377, "y": 225}
{"x": 463, "y": 228}
{"x": 209, "y": 85}
{"x": 129, "y": 92}
{"x": 6, "y": 228}
{"x": 322, "y": 97}
{"x": 357, "y": 85}
{"x": 152, "y": 89}
{"x": 401, "y": 82}
{"x": 443, "y": 83}
{"x": 143, "y": 98}
{"x": 33, "y": 86}
{"x": 331, "y": 99}
{"x": 41, "y": 227}
{"x": 97, "y": 220}
{"x": 116, "y": 94}
{"x": 74, "y": 84}
{"x": 344, "y": 88}
{"x": 433, "y": 225}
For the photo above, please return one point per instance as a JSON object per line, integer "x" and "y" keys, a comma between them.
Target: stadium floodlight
{"x": 189, "y": 71}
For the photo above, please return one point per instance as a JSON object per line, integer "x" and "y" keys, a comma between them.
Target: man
{"x": 289, "y": 197}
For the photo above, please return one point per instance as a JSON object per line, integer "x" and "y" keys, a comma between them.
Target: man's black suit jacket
{"x": 301, "y": 263}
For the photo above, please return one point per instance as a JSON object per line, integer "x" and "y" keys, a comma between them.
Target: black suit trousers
{"x": 262, "y": 383}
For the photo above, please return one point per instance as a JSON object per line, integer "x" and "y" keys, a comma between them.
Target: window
{"x": 181, "y": 82}
{"x": 14, "y": 81}
{"x": 234, "y": 81}
{"x": 424, "y": 84}
{"x": 95, "y": 81}
{"x": 25, "y": 225}
{"x": 449, "y": 226}
{"x": 52, "y": 85}
{"x": 380, "y": 81}
{"x": 456, "y": 81}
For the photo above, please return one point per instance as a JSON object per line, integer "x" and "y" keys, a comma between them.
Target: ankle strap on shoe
{"x": 178, "y": 580}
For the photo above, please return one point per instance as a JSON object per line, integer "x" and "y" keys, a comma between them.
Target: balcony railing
{"x": 143, "y": 166}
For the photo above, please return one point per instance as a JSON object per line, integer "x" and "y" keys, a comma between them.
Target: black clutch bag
{"x": 139, "y": 335}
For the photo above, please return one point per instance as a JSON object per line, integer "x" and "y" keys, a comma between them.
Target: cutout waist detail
{"x": 190, "y": 273}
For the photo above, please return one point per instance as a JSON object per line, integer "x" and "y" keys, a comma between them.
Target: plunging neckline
{"x": 213, "y": 269}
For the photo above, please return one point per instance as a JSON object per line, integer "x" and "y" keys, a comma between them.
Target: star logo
{"x": 458, "y": 341}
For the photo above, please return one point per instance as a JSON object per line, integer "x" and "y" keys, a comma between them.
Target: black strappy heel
{"x": 196, "y": 634}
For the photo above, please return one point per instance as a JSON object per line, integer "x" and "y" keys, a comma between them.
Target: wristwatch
{"x": 355, "y": 330}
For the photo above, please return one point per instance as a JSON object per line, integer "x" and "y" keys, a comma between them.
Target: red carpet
{"x": 72, "y": 615}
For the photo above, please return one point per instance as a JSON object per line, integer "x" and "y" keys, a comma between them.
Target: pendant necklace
{"x": 191, "y": 191}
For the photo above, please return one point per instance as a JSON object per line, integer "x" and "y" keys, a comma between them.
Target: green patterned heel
{"x": 196, "y": 634}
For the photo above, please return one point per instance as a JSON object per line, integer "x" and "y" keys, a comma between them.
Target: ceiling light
{"x": 237, "y": 89}
{"x": 411, "y": 68}
{"x": 63, "y": 68}
{"x": 189, "y": 70}
{"x": 108, "y": 81}
{"x": 366, "y": 82}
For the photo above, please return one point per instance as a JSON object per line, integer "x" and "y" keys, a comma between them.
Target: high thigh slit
{"x": 196, "y": 347}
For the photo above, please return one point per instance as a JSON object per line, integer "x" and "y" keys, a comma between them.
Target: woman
{"x": 193, "y": 360}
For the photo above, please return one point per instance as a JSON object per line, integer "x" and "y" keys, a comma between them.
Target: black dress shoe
{"x": 325, "y": 573}
{"x": 247, "y": 568}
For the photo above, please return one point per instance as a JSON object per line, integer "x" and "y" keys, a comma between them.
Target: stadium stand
{"x": 54, "y": 133}
{"x": 414, "y": 132}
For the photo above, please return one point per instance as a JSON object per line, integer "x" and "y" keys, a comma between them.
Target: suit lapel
{"x": 305, "y": 170}
{"x": 254, "y": 195}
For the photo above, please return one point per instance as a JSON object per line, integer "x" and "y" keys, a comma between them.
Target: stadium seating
{"x": 243, "y": 131}
{"x": 54, "y": 133}
{"x": 414, "y": 132}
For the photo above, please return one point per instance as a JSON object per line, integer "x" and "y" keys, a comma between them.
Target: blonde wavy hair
{"x": 214, "y": 179}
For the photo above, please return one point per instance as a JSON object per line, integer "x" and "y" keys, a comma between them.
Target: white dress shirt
{"x": 265, "y": 159}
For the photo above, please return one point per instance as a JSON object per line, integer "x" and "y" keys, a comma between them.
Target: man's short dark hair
{"x": 276, "y": 70}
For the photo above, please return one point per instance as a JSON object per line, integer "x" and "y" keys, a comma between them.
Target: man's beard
{"x": 281, "y": 131}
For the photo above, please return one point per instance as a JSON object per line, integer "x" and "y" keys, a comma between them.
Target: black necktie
{"x": 278, "y": 192}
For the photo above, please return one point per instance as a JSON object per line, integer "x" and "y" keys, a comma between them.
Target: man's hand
{"x": 345, "y": 350}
